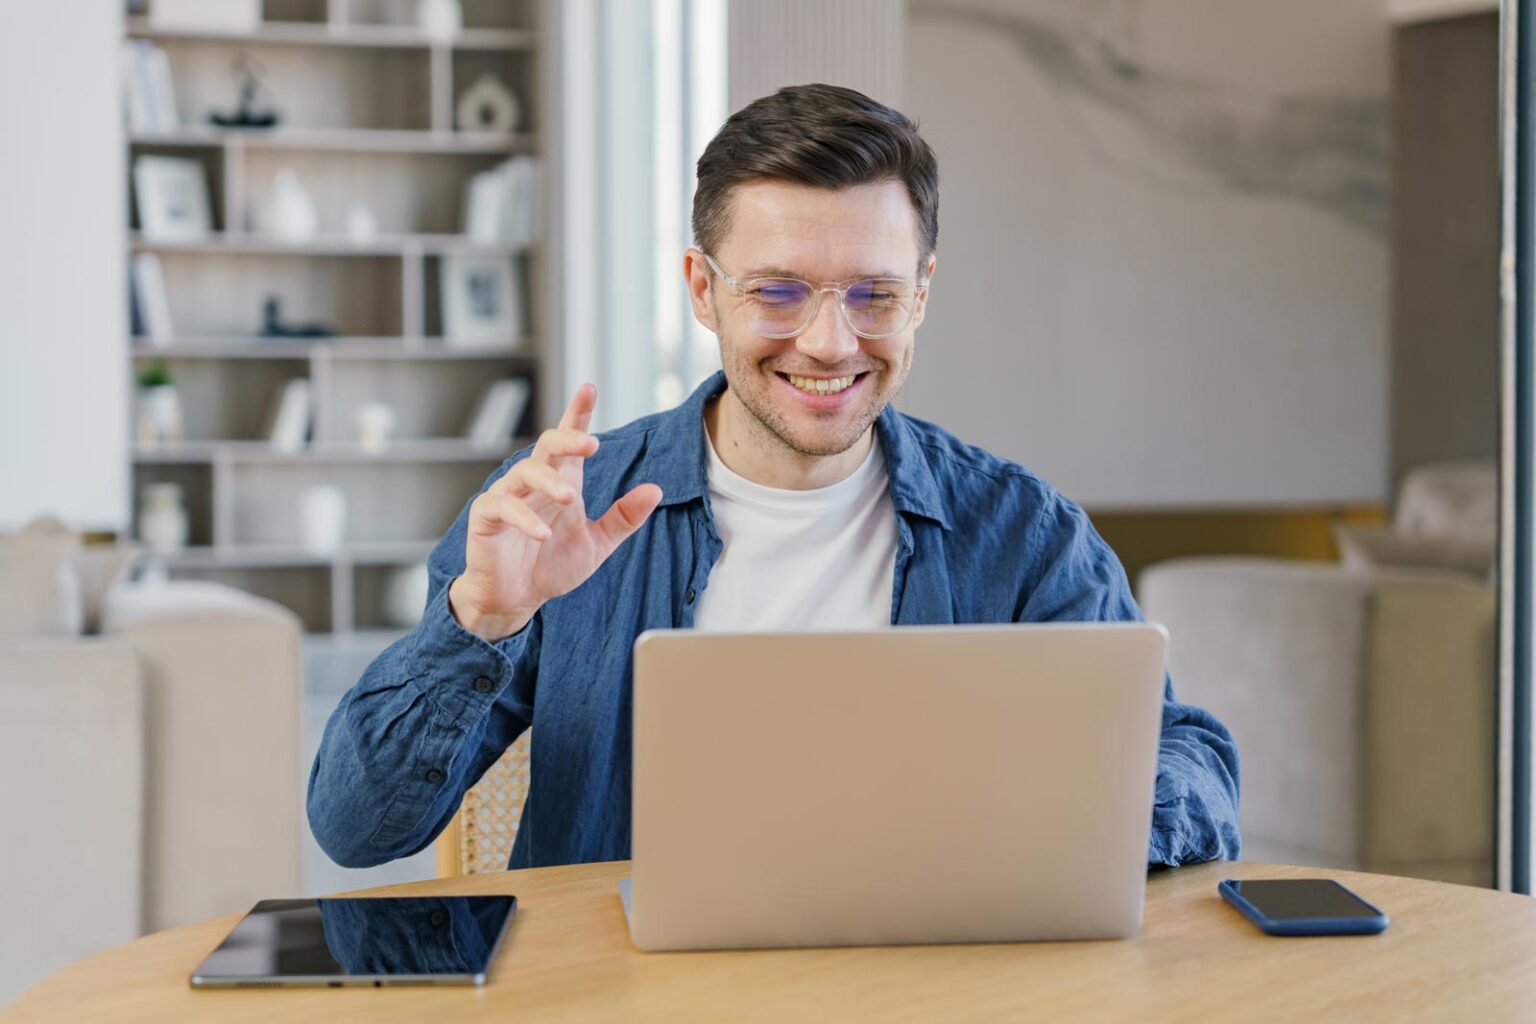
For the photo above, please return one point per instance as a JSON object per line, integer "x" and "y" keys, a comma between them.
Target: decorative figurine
{"x": 488, "y": 106}
{"x": 273, "y": 326}
{"x": 247, "y": 115}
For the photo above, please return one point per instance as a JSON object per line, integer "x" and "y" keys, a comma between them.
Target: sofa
{"x": 1361, "y": 693}
{"x": 150, "y": 751}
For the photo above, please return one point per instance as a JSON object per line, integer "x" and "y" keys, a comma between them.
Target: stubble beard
{"x": 752, "y": 387}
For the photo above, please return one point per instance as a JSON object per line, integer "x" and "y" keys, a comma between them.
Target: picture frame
{"x": 482, "y": 301}
{"x": 172, "y": 197}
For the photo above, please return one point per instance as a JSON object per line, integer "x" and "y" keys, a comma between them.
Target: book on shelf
{"x": 150, "y": 300}
{"x": 288, "y": 429}
{"x": 148, "y": 92}
{"x": 501, "y": 204}
{"x": 498, "y": 413}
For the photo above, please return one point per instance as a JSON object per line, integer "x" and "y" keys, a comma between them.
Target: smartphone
{"x": 1303, "y": 906}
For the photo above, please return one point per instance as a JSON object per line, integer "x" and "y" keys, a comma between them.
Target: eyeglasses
{"x": 782, "y": 307}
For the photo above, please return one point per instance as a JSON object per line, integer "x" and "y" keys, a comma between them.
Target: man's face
{"x": 820, "y": 235}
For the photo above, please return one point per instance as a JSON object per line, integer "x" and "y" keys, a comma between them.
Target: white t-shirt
{"x": 800, "y": 560}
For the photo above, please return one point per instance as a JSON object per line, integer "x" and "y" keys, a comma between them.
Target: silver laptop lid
{"x": 920, "y": 784}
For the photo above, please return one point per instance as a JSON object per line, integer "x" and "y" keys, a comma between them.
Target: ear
{"x": 697, "y": 276}
{"x": 922, "y": 300}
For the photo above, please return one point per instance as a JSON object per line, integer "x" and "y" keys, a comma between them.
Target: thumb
{"x": 626, "y": 516}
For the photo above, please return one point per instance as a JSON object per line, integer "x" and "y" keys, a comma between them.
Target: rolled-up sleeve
{"x": 1076, "y": 577}
{"x": 428, "y": 717}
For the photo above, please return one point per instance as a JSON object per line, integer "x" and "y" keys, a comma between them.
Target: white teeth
{"x": 820, "y": 386}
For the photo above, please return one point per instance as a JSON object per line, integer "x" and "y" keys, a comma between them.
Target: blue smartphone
{"x": 1303, "y": 906}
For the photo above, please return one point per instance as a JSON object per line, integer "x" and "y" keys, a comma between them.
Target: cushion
{"x": 1363, "y": 547}
{"x": 40, "y": 582}
{"x": 101, "y": 566}
{"x": 176, "y": 601}
{"x": 1450, "y": 499}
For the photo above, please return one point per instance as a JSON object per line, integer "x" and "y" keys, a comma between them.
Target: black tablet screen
{"x": 379, "y": 937}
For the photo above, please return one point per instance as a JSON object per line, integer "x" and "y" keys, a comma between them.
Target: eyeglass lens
{"x": 874, "y": 307}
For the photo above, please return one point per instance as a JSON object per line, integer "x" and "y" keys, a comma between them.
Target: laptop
{"x": 924, "y": 784}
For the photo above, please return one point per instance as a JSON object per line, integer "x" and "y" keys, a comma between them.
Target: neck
{"x": 751, "y": 450}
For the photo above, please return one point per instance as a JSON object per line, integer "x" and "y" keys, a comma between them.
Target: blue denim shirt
{"x": 979, "y": 540}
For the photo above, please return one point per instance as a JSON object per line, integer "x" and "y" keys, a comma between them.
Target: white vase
{"x": 372, "y": 424}
{"x": 405, "y": 595}
{"x": 322, "y": 519}
{"x": 440, "y": 19}
{"x": 162, "y": 518}
{"x": 288, "y": 212}
{"x": 159, "y": 415}
{"x": 362, "y": 225}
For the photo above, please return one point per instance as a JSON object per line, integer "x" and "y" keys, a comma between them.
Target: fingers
{"x": 578, "y": 414}
{"x": 626, "y": 516}
{"x": 562, "y": 442}
{"x": 533, "y": 477}
{"x": 497, "y": 511}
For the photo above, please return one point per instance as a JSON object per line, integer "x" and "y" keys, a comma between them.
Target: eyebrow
{"x": 782, "y": 272}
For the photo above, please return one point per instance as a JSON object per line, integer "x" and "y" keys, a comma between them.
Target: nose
{"x": 828, "y": 338}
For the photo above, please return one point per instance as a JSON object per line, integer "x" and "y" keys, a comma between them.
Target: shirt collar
{"x": 675, "y": 458}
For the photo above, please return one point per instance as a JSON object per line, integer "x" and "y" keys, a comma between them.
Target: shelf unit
{"x": 367, "y": 102}
{"x": 336, "y": 140}
{"x": 340, "y": 33}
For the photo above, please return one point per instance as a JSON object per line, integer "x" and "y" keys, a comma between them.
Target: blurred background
{"x": 285, "y": 280}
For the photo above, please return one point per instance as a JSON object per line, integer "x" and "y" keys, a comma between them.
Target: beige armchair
{"x": 150, "y": 773}
{"x": 1362, "y": 694}
{"x": 1362, "y": 705}
{"x": 224, "y": 779}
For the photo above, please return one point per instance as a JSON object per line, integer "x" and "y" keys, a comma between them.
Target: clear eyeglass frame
{"x": 740, "y": 286}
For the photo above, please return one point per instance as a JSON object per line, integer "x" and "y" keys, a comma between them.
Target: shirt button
{"x": 688, "y": 597}
{"x": 484, "y": 685}
{"x": 435, "y": 776}
{"x": 438, "y": 919}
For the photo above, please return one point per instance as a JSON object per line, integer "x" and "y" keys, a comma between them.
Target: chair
{"x": 1363, "y": 706}
{"x": 480, "y": 836}
{"x": 1362, "y": 694}
{"x": 149, "y": 751}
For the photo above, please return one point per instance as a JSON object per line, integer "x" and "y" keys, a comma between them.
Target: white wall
{"x": 1162, "y": 249}
{"x": 852, "y": 43}
{"x": 63, "y": 350}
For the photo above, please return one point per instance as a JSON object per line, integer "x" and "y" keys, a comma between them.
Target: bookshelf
{"x": 367, "y": 103}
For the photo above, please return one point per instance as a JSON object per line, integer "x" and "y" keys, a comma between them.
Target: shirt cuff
{"x": 465, "y": 672}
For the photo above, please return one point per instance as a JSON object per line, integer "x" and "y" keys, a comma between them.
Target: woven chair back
{"x": 480, "y": 836}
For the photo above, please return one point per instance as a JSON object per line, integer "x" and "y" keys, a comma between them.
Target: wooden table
{"x": 1451, "y": 953}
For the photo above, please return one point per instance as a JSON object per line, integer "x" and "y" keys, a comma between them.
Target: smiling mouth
{"x": 822, "y": 385}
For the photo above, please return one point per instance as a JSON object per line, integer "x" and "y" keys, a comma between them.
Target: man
{"x": 786, "y": 493}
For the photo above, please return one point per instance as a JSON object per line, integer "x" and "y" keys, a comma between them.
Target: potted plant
{"x": 159, "y": 406}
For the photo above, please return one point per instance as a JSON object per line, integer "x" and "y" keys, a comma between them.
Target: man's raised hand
{"x": 529, "y": 536}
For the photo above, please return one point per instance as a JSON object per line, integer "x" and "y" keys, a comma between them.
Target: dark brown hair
{"x": 826, "y": 136}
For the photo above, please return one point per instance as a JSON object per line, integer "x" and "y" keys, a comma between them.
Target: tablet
{"x": 373, "y": 942}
